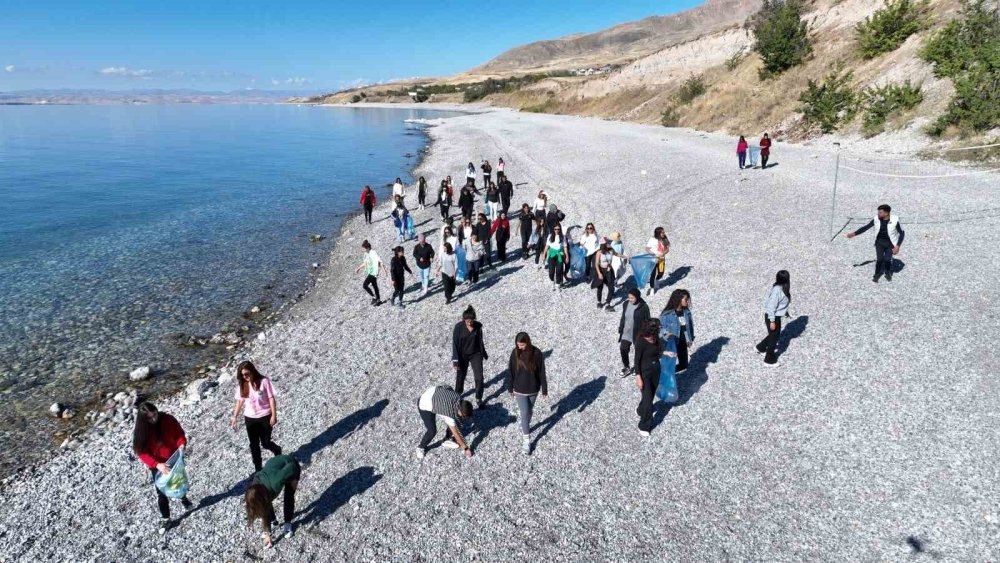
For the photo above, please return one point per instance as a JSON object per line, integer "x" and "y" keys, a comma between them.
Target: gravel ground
{"x": 876, "y": 439}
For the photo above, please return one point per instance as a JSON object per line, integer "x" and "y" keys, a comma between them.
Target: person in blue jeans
{"x": 887, "y": 241}
{"x": 676, "y": 321}
{"x": 423, "y": 254}
{"x": 399, "y": 216}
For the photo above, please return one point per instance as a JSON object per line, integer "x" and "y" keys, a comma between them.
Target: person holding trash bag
{"x": 635, "y": 312}
{"x": 255, "y": 397}
{"x": 157, "y": 436}
{"x": 443, "y": 402}
{"x": 280, "y": 474}
{"x": 658, "y": 246}
{"x": 604, "y": 274}
{"x": 591, "y": 243}
{"x": 525, "y": 379}
{"x": 649, "y": 350}
{"x": 675, "y": 320}
{"x": 775, "y": 307}
{"x": 741, "y": 151}
{"x": 468, "y": 350}
{"x": 399, "y": 216}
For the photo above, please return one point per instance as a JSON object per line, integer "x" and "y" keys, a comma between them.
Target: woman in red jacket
{"x": 765, "y": 150}
{"x": 741, "y": 150}
{"x": 501, "y": 231}
{"x": 368, "y": 203}
{"x": 157, "y": 436}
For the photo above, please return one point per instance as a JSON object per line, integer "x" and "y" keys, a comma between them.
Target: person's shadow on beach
{"x": 691, "y": 380}
{"x": 486, "y": 420}
{"x": 581, "y": 397}
{"x": 790, "y": 332}
{"x": 677, "y": 275}
{"x": 355, "y": 482}
{"x": 345, "y": 426}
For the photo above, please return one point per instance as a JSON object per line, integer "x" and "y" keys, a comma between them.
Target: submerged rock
{"x": 56, "y": 409}
{"x": 139, "y": 374}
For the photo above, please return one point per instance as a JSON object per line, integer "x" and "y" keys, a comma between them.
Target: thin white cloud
{"x": 126, "y": 72}
{"x": 297, "y": 80}
{"x": 9, "y": 68}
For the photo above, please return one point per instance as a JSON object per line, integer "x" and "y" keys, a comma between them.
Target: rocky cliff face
{"x": 624, "y": 42}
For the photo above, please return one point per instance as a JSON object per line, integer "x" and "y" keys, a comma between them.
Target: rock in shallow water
{"x": 55, "y": 409}
{"x": 139, "y": 374}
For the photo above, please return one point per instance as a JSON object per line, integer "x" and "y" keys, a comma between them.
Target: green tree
{"x": 888, "y": 27}
{"x": 782, "y": 37}
{"x": 830, "y": 103}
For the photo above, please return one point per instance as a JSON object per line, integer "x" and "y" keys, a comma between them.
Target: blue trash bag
{"x": 754, "y": 153}
{"x": 642, "y": 268}
{"x": 486, "y": 208}
{"x": 577, "y": 261}
{"x": 460, "y": 256}
{"x": 666, "y": 389}
{"x": 174, "y": 484}
{"x": 411, "y": 231}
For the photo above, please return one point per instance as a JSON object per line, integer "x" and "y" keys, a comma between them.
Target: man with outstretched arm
{"x": 887, "y": 241}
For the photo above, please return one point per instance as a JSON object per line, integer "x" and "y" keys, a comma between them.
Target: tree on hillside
{"x": 967, "y": 50}
{"x": 782, "y": 37}
{"x": 888, "y": 27}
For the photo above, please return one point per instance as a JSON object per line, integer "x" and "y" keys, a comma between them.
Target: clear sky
{"x": 305, "y": 45}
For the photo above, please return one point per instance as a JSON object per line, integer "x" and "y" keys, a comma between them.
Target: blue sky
{"x": 305, "y": 45}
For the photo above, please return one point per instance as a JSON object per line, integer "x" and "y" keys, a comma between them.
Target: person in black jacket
{"x": 467, "y": 349}
{"x": 648, "y": 350}
{"x": 423, "y": 254}
{"x": 396, "y": 268}
{"x": 553, "y": 218}
{"x": 444, "y": 199}
{"x": 634, "y": 314}
{"x": 525, "y": 378}
{"x": 465, "y": 202}
{"x": 506, "y": 188}
{"x": 483, "y": 230}
{"x": 526, "y": 223}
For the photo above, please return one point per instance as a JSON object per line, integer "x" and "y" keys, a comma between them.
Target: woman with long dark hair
{"x": 525, "y": 221}
{"x": 775, "y": 307}
{"x": 466, "y": 201}
{"x": 444, "y": 199}
{"x": 156, "y": 437}
{"x": 556, "y": 252}
{"x": 676, "y": 322}
{"x": 604, "y": 273}
{"x": 540, "y": 240}
{"x": 525, "y": 379}
{"x": 421, "y": 192}
{"x": 368, "y": 203}
{"x": 741, "y": 151}
{"x": 280, "y": 474}
{"x": 255, "y": 397}
{"x": 658, "y": 246}
{"x": 649, "y": 348}
{"x": 501, "y": 234}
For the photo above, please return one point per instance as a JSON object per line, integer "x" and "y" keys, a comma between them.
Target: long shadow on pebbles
{"x": 677, "y": 275}
{"x": 581, "y": 397}
{"x": 355, "y": 482}
{"x": 486, "y": 281}
{"x": 350, "y": 423}
{"x": 793, "y": 330}
{"x": 488, "y": 419}
{"x": 690, "y": 381}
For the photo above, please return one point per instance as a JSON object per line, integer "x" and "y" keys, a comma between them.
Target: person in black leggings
{"x": 468, "y": 350}
{"x": 372, "y": 266}
{"x": 525, "y": 224}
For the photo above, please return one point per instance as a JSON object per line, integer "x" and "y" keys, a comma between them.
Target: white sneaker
{"x": 286, "y": 529}
{"x": 644, "y": 433}
{"x": 774, "y": 365}
{"x": 450, "y": 445}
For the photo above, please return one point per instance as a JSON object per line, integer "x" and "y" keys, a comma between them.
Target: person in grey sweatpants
{"x": 525, "y": 379}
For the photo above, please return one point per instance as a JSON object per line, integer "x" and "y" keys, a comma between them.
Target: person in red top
{"x": 741, "y": 151}
{"x": 501, "y": 231}
{"x": 765, "y": 150}
{"x": 368, "y": 203}
{"x": 157, "y": 436}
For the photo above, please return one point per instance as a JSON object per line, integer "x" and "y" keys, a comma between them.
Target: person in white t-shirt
{"x": 444, "y": 403}
{"x": 589, "y": 242}
{"x": 397, "y": 190}
{"x": 658, "y": 246}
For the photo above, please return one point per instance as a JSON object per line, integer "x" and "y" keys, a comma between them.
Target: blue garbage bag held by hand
{"x": 460, "y": 258}
{"x": 411, "y": 231}
{"x": 642, "y": 268}
{"x": 174, "y": 484}
{"x": 577, "y": 261}
{"x": 666, "y": 389}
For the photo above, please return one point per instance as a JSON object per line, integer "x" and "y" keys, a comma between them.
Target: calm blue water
{"x": 121, "y": 226}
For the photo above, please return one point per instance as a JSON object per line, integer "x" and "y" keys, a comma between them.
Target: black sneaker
{"x": 599, "y": 305}
{"x": 187, "y": 504}
{"x": 875, "y": 279}
{"x": 165, "y": 524}
{"x": 625, "y": 371}
{"x": 374, "y": 300}
{"x": 888, "y": 277}
{"x": 608, "y": 307}
{"x": 480, "y": 405}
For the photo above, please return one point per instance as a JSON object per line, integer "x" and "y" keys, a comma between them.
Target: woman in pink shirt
{"x": 741, "y": 150}
{"x": 255, "y": 396}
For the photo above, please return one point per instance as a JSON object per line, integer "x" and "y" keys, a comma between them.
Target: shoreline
{"x": 739, "y": 455}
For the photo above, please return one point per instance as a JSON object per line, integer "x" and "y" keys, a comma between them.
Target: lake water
{"x": 126, "y": 229}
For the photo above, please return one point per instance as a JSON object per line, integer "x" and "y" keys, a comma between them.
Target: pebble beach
{"x": 875, "y": 439}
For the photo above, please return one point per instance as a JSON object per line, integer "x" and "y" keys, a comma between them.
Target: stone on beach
{"x": 140, "y": 374}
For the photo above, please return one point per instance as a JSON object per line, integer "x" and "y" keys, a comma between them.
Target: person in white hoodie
{"x": 775, "y": 307}
{"x": 590, "y": 242}
{"x": 887, "y": 240}
{"x": 397, "y": 190}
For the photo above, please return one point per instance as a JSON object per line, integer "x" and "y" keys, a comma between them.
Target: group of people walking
{"x": 763, "y": 148}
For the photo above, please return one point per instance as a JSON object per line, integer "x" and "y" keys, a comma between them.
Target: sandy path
{"x": 879, "y": 431}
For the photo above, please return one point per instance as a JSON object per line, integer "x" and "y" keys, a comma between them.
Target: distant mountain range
{"x": 150, "y": 96}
